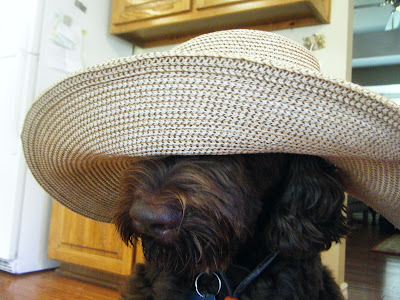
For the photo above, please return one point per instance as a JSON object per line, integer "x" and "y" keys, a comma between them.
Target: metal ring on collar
{"x": 197, "y": 288}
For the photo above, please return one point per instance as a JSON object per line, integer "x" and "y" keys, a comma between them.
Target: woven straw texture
{"x": 228, "y": 92}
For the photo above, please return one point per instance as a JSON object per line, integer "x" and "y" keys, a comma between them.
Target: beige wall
{"x": 335, "y": 58}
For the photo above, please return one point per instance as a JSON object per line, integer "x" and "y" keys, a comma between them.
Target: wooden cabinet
{"x": 139, "y": 10}
{"x": 157, "y": 22}
{"x": 84, "y": 244}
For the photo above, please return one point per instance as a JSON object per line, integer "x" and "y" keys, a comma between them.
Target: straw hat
{"x": 228, "y": 92}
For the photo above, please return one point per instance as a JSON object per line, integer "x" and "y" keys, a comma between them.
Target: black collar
{"x": 248, "y": 279}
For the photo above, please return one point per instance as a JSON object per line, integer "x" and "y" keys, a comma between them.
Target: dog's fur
{"x": 235, "y": 210}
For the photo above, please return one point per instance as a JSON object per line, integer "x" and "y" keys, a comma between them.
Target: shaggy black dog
{"x": 224, "y": 216}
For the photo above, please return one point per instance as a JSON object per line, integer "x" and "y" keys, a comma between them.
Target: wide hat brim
{"x": 82, "y": 133}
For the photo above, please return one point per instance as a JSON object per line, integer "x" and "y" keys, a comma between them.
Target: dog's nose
{"x": 157, "y": 220}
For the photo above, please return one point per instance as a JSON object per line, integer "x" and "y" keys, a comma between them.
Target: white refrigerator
{"x": 41, "y": 42}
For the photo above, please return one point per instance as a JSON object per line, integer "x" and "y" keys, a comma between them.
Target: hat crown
{"x": 261, "y": 46}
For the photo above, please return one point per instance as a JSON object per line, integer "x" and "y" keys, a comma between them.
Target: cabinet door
{"x": 211, "y": 3}
{"x": 149, "y": 23}
{"x": 84, "y": 242}
{"x": 125, "y": 11}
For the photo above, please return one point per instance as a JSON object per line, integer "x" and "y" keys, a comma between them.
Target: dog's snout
{"x": 157, "y": 220}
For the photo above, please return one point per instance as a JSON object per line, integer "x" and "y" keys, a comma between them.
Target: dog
{"x": 206, "y": 223}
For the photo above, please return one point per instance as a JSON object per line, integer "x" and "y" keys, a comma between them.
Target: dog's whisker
{"x": 199, "y": 248}
{"x": 182, "y": 218}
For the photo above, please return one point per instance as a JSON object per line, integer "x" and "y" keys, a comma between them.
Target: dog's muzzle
{"x": 156, "y": 220}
